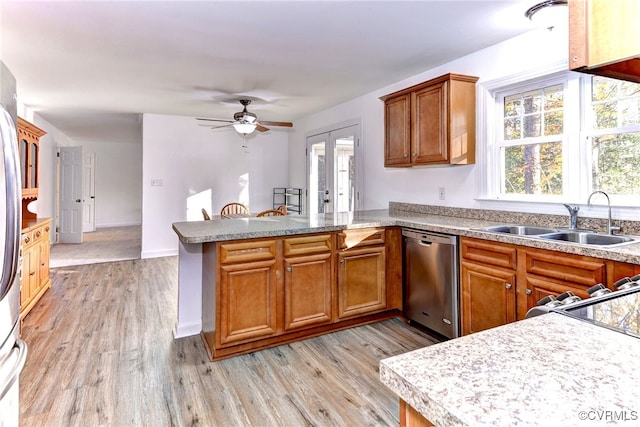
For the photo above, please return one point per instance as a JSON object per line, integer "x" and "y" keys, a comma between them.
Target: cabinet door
{"x": 44, "y": 251}
{"x": 397, "y": 139}
{"x": 603, "y": 38}
{"x": 34, "y": 270}
{"x": 25, "y": 290}
{"x": 430, "y": 125}
{"x": 488, "y": 297}
{"x": 248, "y": 303}
{"x": 361, "y": 281}
{"x": 307, "y": 291}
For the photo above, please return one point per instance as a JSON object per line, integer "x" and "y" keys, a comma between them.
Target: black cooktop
{"x": 619, "y": 311}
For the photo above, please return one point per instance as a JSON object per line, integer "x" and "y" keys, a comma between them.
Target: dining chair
{"x": 271, "y": 212}
{"x": 234, "y": 208}
{"x": 205, "y": 214}
{"x": 283, "y": 209}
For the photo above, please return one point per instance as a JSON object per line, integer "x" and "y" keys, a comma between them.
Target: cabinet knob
{"x": 46, "y": 228}
{"x": 528, "y": 292}
{"x": 27, "y": 239}
{"x": 38, "y": 233}
{"x": 289, "y": 269}
{"x": 508, "y": 286}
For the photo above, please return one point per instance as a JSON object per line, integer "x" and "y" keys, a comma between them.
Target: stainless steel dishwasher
{"x": 431, "y": 281}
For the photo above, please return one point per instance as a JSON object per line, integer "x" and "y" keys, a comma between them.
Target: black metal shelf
{"x": 290, "y": 197}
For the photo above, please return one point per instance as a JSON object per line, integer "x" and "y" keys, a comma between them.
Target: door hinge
{"x": 58, "y": 154}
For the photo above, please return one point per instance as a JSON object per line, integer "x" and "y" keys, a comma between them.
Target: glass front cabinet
{"x": 29, "y": 149}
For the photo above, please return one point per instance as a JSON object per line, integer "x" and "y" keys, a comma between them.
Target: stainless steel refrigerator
{"x": 13, "y": 351}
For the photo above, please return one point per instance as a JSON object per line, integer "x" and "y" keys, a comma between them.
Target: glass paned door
{"x": 331, "y": 169}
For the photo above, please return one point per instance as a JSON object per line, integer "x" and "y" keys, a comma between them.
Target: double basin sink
{"x": 585, "y": 237}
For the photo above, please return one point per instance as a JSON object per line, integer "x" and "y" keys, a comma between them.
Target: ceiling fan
{"x": 245, "y": 122}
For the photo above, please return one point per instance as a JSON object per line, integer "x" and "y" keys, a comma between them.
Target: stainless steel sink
{"x": 587, "y": 238}
{"x": 521, "y": 230}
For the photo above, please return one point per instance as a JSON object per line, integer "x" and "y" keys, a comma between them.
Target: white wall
{"x": 188, "y": 159}
{"x": 532, "y": 50}
{"x": 118, "y": 178}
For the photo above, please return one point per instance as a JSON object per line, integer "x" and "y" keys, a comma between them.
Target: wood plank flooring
{"x": 102, "y": 353}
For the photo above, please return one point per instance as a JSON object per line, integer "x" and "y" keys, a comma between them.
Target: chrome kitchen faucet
{"x": 573, "y": 212}
{"x": 610, "y": 228}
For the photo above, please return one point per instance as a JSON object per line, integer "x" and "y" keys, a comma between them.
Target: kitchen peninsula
{"x": 327, "y": 239}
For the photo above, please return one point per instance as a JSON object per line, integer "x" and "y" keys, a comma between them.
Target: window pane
{"x": 512, "y": 129}
{"x": 615, "y": 103}
{"x": 553, "y": 98}
{"x": 616, "y": 163}
{"x": 533, "y": 169}
{"x": 603, "y": 88}
{"x": 553, "y": 123}
{"x": 531, "y": 126}
{"x": 512, "y": 106}
{"x": 531, "y": 101}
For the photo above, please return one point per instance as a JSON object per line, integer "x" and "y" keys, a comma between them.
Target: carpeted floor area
{"x": 103, "y": 245}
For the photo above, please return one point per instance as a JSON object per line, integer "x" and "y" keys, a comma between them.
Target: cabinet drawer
{"x": 27, "y": 239}
{"x": 353, "y": 238}
{"x": 305, "y": 245}
{"x": 486, "y": 252}
{"x": 247, "y": 251}
{"x": 566, "y": 267}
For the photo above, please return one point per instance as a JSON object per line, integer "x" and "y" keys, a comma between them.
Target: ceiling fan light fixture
{"x": 546, "y": 15}
{"x": 244, "y": 128}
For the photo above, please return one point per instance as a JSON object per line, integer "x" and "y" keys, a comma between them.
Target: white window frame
{"x": 490, "y": 122}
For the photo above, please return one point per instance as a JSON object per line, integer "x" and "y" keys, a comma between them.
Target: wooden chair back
{"x": 271, "y": 212}
{"x": 205, "y": 214}
{"x": 234, "y": 208}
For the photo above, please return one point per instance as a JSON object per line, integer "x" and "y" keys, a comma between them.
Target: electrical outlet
{"x": 441, "y": 193}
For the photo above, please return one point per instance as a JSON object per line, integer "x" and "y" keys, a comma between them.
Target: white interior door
{"x": 89, "y": 193}
{"x": 70, "y": 224}
{"x": 332, "y": 170}
{"x": 319, "y": 161}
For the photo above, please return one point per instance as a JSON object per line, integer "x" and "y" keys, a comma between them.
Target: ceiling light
{"x": 244, "y": 128}
{"x": 547, "y": 15}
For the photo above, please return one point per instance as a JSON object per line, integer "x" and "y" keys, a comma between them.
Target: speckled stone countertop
{"x": 549, "y": 370}
{"x": 247, "y": 228}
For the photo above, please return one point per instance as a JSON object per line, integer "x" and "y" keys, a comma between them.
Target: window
{"x": 562, "y": 137}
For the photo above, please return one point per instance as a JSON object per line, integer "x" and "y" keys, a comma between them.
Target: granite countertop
{"x": 546, "y": 370}
{"x": 196, "y": 232}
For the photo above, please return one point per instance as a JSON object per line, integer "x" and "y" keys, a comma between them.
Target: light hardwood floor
{"x": 102, "y": 353}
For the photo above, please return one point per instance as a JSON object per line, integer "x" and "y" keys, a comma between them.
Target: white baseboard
{"x": 187, "y": 330}
{"x": 159, "y": 253}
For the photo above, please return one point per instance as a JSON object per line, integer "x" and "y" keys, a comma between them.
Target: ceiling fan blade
{"x": 261, "y": 128}
{"x": 214, "y": 120}
{"x": 285, "y": 124}
{"x": 222, "y": 126}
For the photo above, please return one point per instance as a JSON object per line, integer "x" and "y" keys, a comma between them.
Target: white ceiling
{"x": 90, "y": 68}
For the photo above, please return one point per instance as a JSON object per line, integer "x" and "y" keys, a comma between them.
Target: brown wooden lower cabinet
{"x": 361, "y": 281}
{"x": 258, "y": 293}
{"x": 409, "y": 417}
{"x": 34, "y": 279}
{"x": 500, "y": 282}
{"x": 488, "y": 296}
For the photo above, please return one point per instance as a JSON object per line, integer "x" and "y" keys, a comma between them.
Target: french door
{"x": 332, "y": 170}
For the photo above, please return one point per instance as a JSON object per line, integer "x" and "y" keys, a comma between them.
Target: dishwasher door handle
{"x": 424, "y": 243}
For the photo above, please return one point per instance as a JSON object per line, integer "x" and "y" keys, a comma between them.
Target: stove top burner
{"x": 617, "y": 310}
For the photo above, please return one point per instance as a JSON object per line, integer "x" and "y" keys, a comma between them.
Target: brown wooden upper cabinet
{"x": 604, "y": 38}
{"x": 29, "y": 149}
{"x": 431, "y": 123}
